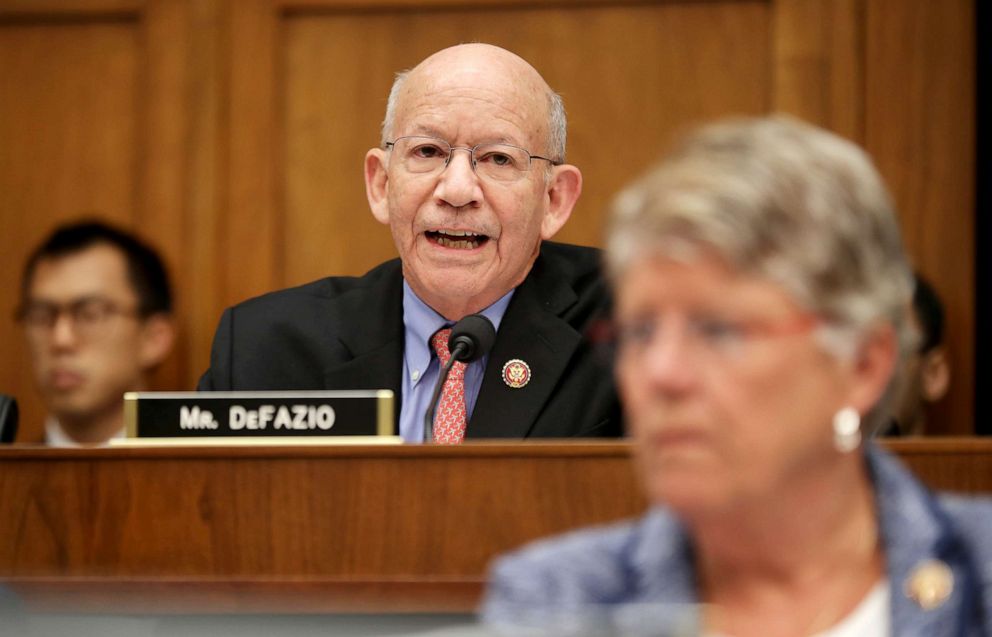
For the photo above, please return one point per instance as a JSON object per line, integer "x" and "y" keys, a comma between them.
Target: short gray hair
{"x": 557, "y": 121}
{"x": 789, "y": 203}
{"x": 394, "y": 97}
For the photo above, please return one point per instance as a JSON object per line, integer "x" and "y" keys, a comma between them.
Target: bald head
{"x": 504, "y": 75}
{"x": 465, "y": 235}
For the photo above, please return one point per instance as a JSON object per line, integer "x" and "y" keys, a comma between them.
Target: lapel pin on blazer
{"x": 930, "y": 584}
{"x": 516, "y": 373}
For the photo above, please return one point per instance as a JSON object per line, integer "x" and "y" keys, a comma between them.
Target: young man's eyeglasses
{"x": 90, "y": 316}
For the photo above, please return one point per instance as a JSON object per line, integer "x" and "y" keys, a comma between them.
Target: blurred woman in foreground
{"x": 761, "y": 308}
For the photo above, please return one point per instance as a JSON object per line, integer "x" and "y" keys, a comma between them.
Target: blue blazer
{"x": 649, "y": 561}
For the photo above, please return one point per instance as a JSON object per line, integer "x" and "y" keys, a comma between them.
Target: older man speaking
{"x": 471, "y": 179}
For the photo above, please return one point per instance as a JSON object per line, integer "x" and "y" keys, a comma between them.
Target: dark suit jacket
{"x": 347, "y": 333}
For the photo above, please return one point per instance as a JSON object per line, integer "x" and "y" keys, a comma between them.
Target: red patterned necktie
{"x": 449, "y": 419}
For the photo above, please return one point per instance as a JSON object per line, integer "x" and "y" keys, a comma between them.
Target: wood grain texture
{"x": 232, "y": 133}
{"x": 363, "y": 513}
{"x": 218, "y": 597}
{"x": 162, "y": 209}
{"x": 920, "y": 128}
{"x": 949, "y": 464}
{"x": 819, "y": 63}
{"x": 320, "y": 529}
{"x": 626, "y": 96}
{"x": 68, "y": 147}
{"x": 250, "y": 241}
{"x": 47, "y": 9}
{"x": 204, "y": 262}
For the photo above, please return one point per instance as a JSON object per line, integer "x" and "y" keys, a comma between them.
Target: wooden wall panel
{"x": 231, "y": 133}
{"x": 251, "y": 226}
{"x": 198, "y": 71}
{"x": 164, "y": 161}
{"x": 625, "y": 97}
{"x": 331, "y": 111}
{"x": 319, "y": 529}
{"x": 818, "y": 60}
{"x": 68, "y": 146}
{"x": 161, "y": 180}
{"x": 402, "y": 512}
{"x": 920, "y": 128}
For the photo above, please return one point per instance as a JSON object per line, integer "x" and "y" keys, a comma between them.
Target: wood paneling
{"x": 202, "y": 198}
{"x": 819, "y": 63}
{"x": 69, "y": 140}
{"x": 625, "y": 98}
{"x": 60, "y": 9}
{"x": 948, "y": 464}
{"x": 164, "y": 158}
{"x": 920, "y": 128}
{"x": 401, "y": 511}
{"x": 252, "y": 227}
{"x": 216, "y": 599}
{"x": 318, "y": 529}
{"x": 232, "y": 133}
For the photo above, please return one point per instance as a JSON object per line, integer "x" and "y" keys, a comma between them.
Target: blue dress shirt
{"x": 420, "y": 365}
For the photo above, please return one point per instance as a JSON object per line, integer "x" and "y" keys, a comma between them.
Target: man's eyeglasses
{"x": 496, "y": 162}
{"x": 90, "y": 316}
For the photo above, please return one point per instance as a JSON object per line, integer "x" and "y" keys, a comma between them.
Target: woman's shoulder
{"x": 967, "y": 508}
{"x": 971, "y": 519}
{"x": 587, "y": 549}
{"x": 970, "y": 522}
{"x": 598, "y": 565}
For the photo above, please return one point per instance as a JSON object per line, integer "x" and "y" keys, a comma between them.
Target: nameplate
{"x": 263, "y": 414}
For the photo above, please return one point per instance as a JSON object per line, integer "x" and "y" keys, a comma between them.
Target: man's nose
{"x": 458, "y": 185}
{"x": 64, "y": 332}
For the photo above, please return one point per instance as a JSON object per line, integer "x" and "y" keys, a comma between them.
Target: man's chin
{"x": 456, "y": 296}
{"x": 71, "y": 406}
{"x": 455, "y": 279}
{"x": 478, "y": 259}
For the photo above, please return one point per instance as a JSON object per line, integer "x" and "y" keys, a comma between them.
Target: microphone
{"x": 8, "y": 418}
{"x": 471, "y": 338}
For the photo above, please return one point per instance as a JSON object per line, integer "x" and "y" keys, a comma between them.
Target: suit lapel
{"x": 369, "y": 328}
{"x": 533, "y": 331}
{"x": 916, "y": 533}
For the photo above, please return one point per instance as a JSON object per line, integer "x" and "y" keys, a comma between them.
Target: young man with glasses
{"x": 471, "y": 179}
{"x": 96, "y": 309}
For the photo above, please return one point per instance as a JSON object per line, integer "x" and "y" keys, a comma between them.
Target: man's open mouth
{"x": 459, "y": 239}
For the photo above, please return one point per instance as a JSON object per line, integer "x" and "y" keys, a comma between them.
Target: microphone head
{"x": 471, "y": 338}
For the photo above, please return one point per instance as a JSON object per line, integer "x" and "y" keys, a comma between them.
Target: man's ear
{"x": 158, "y": 335}
{"x": 873, "y": 366}
{"x": 563, "y": 190}
{"x": 935, "y": 375}
{"x": 377, "y": 184}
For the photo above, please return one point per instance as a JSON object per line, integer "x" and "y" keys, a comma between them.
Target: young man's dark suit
{"x": 347, "y": 333}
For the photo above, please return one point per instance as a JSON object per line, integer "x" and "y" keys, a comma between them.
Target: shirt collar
{"x": 55, "y": 435}
{"x": 420, "y": 321}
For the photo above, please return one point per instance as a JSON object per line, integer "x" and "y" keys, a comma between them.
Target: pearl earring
{"x": 847, "y": 430}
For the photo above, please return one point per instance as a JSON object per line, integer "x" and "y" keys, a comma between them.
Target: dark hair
{"x": 929, "y": 312}
{"x": 145, "y": 269}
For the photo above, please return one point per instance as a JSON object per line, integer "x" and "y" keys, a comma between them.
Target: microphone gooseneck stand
{"x": 471, "y": 338}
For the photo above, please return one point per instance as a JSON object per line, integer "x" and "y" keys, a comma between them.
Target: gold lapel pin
{"x": 930, "y": 584}
{"x": 516, "y": 373}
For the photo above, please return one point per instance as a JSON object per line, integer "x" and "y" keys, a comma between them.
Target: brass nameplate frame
{"x": 284, "y": 415}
